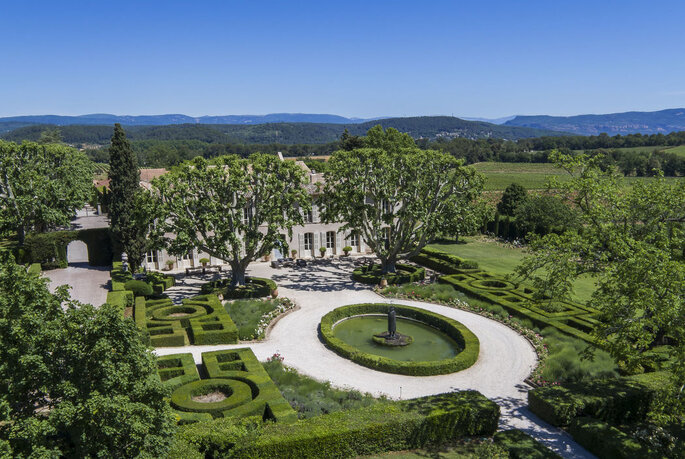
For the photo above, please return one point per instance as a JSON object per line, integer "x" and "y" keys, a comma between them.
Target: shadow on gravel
{"x": 322, "y": 275}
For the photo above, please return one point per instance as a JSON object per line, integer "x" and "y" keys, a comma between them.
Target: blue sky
{"x": 352, "y": 58}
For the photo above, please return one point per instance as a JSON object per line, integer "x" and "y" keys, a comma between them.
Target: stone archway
{"x": 77, "y": 252}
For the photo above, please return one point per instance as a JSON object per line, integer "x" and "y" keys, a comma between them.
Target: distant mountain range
{"x": 291, "y": 128}
{"x": 663, "y": 121}
{"x": 430, "y": 127}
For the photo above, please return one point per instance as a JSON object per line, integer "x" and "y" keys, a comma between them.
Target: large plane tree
{"x": 41, "y": 186}
{"x": 397, "y": 197}
{"x": 232, "y": 208}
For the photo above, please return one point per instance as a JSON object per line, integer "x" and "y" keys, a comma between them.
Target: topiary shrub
{"x": 520, "y": 445}
{"x": 455, "y": 330}
{"x": 372, "y": 274}
{"x": 139, "y": 287}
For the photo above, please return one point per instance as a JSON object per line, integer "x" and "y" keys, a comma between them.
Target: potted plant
{"x": 346, "y": 250}
{"x": 169, "y": 265}
{"x": 384, "y": 282}
{"x": 204, "y": 261}
{"x": 274, "y": 293}
{"x": 322, "y": 250}
{"x": 293, "y": 253}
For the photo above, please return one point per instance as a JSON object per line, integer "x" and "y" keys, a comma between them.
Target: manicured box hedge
{"x": 371, "y": 274}
{"x": 605, "y": 440}
{"x": 617, "y": 400}
{"x": 575, "y": 319}
{"x": 255, "y": 287}
{"x": 253, "y": 391}
{"x": 207, "y": 321}
{"x": 383, "y": 427}
{"x": 50, "y": 249}
{"x": 443, "y": 262}
{"x": 520, "y": 445}
{"x": 455, "y": 330}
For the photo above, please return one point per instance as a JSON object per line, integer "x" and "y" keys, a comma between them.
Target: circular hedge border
{"x": 238, "y": 392}
{"x": 455, "y": 330}
{"x": 255, "y": 287}
{"x": 404, "y": 274}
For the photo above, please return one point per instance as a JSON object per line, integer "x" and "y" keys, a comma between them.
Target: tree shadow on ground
{"x": 322, "y": 275}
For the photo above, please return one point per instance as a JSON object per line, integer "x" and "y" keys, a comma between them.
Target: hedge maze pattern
{"x": 198, "y": 320}
{"x": 236, "y": 373}
{"x": 571, "y": 318}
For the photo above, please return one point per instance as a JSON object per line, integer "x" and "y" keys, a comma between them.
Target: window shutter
{"x": 300, "y": 241}
{"x": 362, "y": 246}
{"x": 338, "y": 242}
{"x": 315, "y": 213}
{"x": 315, "y": 245}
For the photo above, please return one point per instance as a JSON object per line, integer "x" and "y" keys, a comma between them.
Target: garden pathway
{"x": 506, "y": 358}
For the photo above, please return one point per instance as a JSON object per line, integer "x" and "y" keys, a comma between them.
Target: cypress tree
{"x": 124, "y": 184}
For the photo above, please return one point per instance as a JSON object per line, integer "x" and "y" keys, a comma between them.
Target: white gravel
{"x": 506, "y": 358}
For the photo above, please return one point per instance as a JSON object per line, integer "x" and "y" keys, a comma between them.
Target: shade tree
{"x": 232, "y": 208}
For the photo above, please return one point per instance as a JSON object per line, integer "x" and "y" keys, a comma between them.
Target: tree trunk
{"x": 237, "y": 275}
{"x": 389, "y": 267}
{"x": 21, "y": 234}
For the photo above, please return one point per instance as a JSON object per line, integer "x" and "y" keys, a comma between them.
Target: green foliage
{"x": 372, "y": 274}
{"x": 397, "y": 197}
{"x": 525, "y": 303}
{"x": 254, "y": 287}
{"x": 75, "y": 381}
{"x": 139, "y": 287}
{"x": 619, "y": 400}
{"x": 198, "y": 320}
{"x": 310, "y": 397}
{"x": 604, "y": 440}
{"x": 233, "y": 200}
{"x": 565, "y": 362}
{"x": 41, "y": 186}
{"x": 237, "y": 373}
{"x": 34, "y": 269}
{"x": 632, "y": 241}
{"x": 443, "y": 262}
{"x": 544, "y": 214}
{"x": 377, "y": 428}
{"x": 520, "y": 445}
{"x": 455, "y": 330}
{"x": 124, "y": 187}
{"x": 50, "y": 249}
{"x": 513, "y": 197}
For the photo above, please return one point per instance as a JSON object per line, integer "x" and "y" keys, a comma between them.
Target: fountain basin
{"x": 441, "y": 345}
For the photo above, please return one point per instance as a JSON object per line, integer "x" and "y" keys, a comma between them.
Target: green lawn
{"x": 680, "y": 150}
{"x": 502, "y": 259}
{"x": 532, "y": 176}
{"x": 246, "y": 315}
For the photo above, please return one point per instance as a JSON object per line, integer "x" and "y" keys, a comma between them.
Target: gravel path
{"x": 506, "y": 358}
{"x": 89, "y": 284}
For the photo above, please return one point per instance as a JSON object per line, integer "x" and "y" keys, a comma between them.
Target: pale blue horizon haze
{"x": 353, "y": 58}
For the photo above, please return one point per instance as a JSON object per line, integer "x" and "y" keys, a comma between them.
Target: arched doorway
{"x": 77, "y": 252}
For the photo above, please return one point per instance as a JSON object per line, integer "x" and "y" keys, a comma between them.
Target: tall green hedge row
{"x": 372, "y": 274}
{"x": 605, "y": 440}
{"x": 619, "y": 400}
{"x": 50, "y": 249}
{"x": 383, "y": 427}
{"x": 455, "y": 330}
{"x": 443, "y": 262}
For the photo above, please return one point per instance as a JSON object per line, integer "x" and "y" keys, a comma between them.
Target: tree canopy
{"x": 41, "y": 186}
{"x": 514, "y": 195}
{"x": 232, "y": 208}
{"x": 75, "y": 381}
{"x": 632, "y": 241}
{"x": 397, "y": 197}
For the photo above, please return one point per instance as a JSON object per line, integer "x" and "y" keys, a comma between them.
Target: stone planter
{"x": 274, "y": 293}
